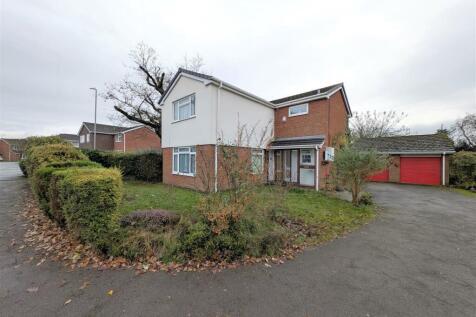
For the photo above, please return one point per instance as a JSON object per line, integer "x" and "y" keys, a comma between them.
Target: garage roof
{"x": 408, "y": 144}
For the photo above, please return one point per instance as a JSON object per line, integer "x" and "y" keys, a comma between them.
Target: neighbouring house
{"x": 201, "y": 112}
{"x": 12, "y": 150}
{"x": 116, "y": 138}
{"x": 414, "y": 159}
{"x": 71, "y": 138}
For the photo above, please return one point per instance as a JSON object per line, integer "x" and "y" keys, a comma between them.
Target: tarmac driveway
{"x": 418, "y": 258}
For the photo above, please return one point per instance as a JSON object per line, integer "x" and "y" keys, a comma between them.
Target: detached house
{"x": 200, "y": 112}
{"x": 116, "y": 138}
{"x": 12, "y": 149}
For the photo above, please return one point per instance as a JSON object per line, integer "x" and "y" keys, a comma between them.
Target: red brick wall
{"x": 7, "y": 154}
{"x": 327, "y": 117}
{"x": 205, "y": 168}
{"x": 140, "y": 139}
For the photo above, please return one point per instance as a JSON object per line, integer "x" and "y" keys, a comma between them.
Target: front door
{"x": 294, "y": 166}
{"x": 279, "y": 166}
{"x": 287, "y": 165}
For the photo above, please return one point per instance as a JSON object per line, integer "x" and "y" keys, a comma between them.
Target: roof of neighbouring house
{"x": 214, "y": 80}
{"x": 105, "y": 128}
{"x": 69, "y": 137}
{"x": 408, "y": 144}
{"x": 297, "y": 142}
{"x": 18, "y": 142}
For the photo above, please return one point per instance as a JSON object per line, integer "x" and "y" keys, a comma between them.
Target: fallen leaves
{"x": 53, "y": 242}
{"x": 85, "y": 284}
{"x": 32, "y": 289}
{"x": 110, "y": 292}
{"x": 68, "y": 301}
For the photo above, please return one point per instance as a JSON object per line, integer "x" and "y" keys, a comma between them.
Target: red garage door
{"x": 379, "y": 177}
{"x": 420, "y": 170}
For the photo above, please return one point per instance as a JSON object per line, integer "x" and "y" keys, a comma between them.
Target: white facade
{"x": 219, "y": 112}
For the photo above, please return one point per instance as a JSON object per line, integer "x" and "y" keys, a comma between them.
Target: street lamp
{"x": 95, "y": 113}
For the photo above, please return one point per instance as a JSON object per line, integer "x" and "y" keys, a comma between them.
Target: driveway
{"x": 418, "y": 258}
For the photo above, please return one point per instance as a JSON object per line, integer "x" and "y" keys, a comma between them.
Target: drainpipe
{"x": 124, "y": 141}
{"x": 216, "y": 136}
{"x": 443, "y": 177}
{"x": 317, "y": 168}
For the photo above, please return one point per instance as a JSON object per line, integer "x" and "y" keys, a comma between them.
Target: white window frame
{"x": 257, "y": 152}
{"x": 187, "y": 101}
{"x": 311, "y": 153}
{"x": 191, "y": 151}
{"x": 118, "y": 137}
{"x": 81, "y": 138}
{"x": 300, "y": 113}
{"x": 88, "y": 138}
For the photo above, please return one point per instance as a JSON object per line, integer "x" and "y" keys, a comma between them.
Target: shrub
{"x": 365, "y": 199}
{"x": 89, "y": 198}
{"x": 463, "y": 169}
{"x": 39, "y": 156}
{"x": 150, "y": 219}
{"x": 46, "y": 191}
{"x": 352, "y": 168}
{"x": 146, "y": 166}
{"x": 34, "y": 141}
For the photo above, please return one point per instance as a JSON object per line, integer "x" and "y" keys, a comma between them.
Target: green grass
{"x": 142, "y": 196}
{"x": 465, "y": 192}
{"x": 331, "y": 216}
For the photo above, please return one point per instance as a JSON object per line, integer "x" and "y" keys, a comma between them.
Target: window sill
{"x": 192, "y": 117}
{"x": 299, "y": 114}
{"x": 183, "y": 174}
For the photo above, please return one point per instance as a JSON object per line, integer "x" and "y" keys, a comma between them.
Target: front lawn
{"x": 316, "y": 217}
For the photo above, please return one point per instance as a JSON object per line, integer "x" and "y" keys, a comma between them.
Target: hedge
{"x": 89, "y": 198}
{"x": 39, "y": 156}
{"x": 44, "y": 189}
{"x": 463, "y": 169}
{"x": 146, "y": 166}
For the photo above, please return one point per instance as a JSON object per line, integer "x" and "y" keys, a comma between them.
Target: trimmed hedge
{"x": 89, "y": 198}
{"x": 39, "y": 156}
{"x": 145, "y": 166}
{"x": 463, "y": 169}
{"x": 45, "y": 190}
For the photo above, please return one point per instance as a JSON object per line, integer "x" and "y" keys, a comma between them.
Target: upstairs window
{"x": 184, "y": 108}
{"x": 257, "y": 161}
{"x": 81, "y": 138}
{"x": 88, "y": 137}
{"x": 298, "y": 110}
{"x": 119, "y": 137}
{"x": 184, "y": 160}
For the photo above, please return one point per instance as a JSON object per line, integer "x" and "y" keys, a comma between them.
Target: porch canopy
{"x": 303, "y": 142}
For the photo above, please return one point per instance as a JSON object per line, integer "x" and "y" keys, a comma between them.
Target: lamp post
{"x": 95, "y": 113}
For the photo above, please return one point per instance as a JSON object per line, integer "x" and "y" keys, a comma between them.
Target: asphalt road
{"x": 418, "y": 258}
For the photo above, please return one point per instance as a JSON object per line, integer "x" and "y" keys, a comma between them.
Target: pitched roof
{"x": 69, "y": 137}
{"x": 426, "y": 143}
{"x": 105, "y": 128}
{"x": 298, "y": 142}
{"x": 215, "y": 81}
{"x": 319, "y": 91}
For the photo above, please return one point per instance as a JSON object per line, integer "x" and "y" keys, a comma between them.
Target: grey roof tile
{"x": 426, "y": 143}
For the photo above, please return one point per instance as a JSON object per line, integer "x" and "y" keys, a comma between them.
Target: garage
{"x": 415, "y": 159}
{"x": 420, "y": 170}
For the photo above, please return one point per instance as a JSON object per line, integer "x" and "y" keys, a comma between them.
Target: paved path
{"x": 417, "y": 259}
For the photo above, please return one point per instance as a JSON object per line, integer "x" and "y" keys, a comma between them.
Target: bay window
{"x": 184, "y": 160}
{"x": 184, "y": 108}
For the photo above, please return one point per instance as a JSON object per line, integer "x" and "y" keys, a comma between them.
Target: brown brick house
{"x": 201, "y": 112}
{"x": 415, "y": 159}
{"x": 117, "y": 138}
{"x": 11, "y": 150}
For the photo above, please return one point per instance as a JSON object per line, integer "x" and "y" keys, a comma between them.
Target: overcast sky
{"x": 412, "y": 56}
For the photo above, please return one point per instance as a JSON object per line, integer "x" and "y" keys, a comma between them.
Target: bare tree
{"x": 464, "y": 131}
{"x": 373, "y": 124}
{"x": 136, "y": 96}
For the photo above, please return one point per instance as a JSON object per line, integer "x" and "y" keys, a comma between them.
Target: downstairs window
{"x": 184, "y": 160}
